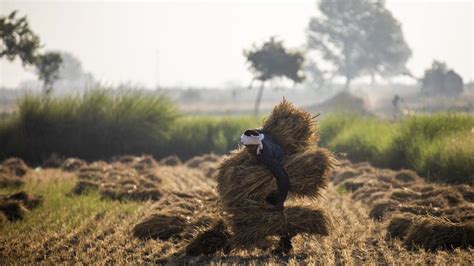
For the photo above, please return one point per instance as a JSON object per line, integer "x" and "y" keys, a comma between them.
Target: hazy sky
{"x": 200, "y": 43}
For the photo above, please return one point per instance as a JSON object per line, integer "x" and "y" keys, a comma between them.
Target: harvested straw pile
{"x": 399, "y": 225}
{"x": 434, "y": 233}
{"x": 207, "y": 163}
{"x": 179, "y": 214}
{"x": 197, "y": 161}
{"x": 407, "y": 176}
{"x": 9, "y": 180}
{"x": 73, "y": 164}
{"x": 431, "y": 233}
{"x": 170, "y": 161}
{"x": 15, "y": 206}
{"x": 209, "y": 241}
{"x": 244, "y": 184}
{"x": 11, "y": 172}
{"x": 15, "y": 166}
{"x": 252, "y": 224}
{"x": 161, "y": 226}
{"x": 127, "y": 178}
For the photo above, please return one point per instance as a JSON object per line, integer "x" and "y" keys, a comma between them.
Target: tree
{"x": 17, "y": 39}
{"x": 47, "y": 68}
{"x": 273, "y": 60}
{"x": 438, "y": 80}
{"x": 358, "y": 37}
{"x": 72, "y": 76}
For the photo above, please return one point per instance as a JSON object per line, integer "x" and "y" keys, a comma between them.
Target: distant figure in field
{"x": 396, "y": 103}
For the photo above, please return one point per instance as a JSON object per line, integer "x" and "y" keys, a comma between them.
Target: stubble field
{"x": 97, "y": 223}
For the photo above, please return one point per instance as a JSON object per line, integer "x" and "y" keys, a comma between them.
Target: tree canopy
{"x": 438, "y": 80}
{"x": 17, "y": 39}
{"x": 358, "y": 37}
{"x": 272, "y": 60}
{"x": 47, "y": 68}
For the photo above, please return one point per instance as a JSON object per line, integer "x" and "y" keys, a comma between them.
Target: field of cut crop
{"x": 138, "y": 210}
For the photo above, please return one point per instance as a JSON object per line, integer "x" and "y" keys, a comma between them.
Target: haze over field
{"x": 200, "y": 44}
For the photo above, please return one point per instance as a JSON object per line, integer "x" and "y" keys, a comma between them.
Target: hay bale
{"x": 161, "y": 226}
{"x": 125, "y": 193}
{"x": 433, "y": 233}
{"x": 452, "y": 196}
{"x": 7, "y": 180}
{"x": 13, "y": 210}
{"x": 73, "y": 164}
{"x": 28, "y": 200}
{"x": 343, "y": 175}
{"x": 145, "y": 163}
{"x": 407, "y": 176}
{"x": 16, "y": 166}
{"x": 466, "y": 191}
{"x": 172, "y": 160}
{"x": 83, "y": 186}
{"x": 240, "y": 177}
{"x": 293, "y": 128}
{"x": 367, "y": 194}
{"x": 382, "y": 207}
{"x": 405, "y": 195}
{"x": 251, "y": 225}
{"x": 197, "y": 161}
{"x": 399, "y": 225}
{"x": 125, "y": 159}
{"x": 355, "y": 184}
{"x": 210, "y": 241}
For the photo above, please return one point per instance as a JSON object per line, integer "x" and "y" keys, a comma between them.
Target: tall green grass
{"x": 103, "y": 123}
{"x": 440, "y": 147}
{"x": 97, "y": 125}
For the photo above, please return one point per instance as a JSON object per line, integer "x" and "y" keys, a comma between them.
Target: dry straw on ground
{"x": 172, "y": 160}
{"x": 16, "y": 166}
{"x": 423, "y": 215}
{"x": 244, "y": 184}
{"x": 11, "y": 172}
{"x": 16, "y": 205}
{"x": 126, "y": 178}
{"x": 434, "y": 233}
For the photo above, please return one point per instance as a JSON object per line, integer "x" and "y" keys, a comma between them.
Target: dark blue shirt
{"x": 272, "y": 156}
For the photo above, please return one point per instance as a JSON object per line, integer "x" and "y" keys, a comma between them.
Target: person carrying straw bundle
{"x": 280, "y": 161}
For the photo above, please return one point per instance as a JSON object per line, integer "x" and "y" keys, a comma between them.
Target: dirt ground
{"x": 89, "y": 228}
